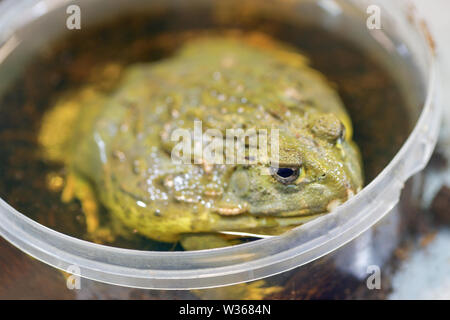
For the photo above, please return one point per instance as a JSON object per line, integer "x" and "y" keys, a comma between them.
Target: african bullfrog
{"x": 116, "y": 145}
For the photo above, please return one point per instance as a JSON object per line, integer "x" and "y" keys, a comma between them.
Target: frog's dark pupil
{"x": 285, "y": 172}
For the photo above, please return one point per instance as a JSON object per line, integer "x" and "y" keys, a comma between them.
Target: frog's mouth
{"x": 315, "y": 199}
{"x": 264, "y": 227}
{"x": 269, "y": 211}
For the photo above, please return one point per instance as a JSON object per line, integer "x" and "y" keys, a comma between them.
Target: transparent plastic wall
{"x": 402, "y": 45}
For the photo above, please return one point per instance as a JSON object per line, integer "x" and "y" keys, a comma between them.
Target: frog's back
{"x": 211, "y": 78}
{"x": 123, "y": 144}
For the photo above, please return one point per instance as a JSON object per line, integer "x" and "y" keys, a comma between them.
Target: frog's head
{"x": 318, "y": 168}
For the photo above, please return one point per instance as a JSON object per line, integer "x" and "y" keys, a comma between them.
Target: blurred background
{"x": 425, "y": 274}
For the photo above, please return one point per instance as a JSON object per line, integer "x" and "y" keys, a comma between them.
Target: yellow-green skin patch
{"x": 120, "y": 142}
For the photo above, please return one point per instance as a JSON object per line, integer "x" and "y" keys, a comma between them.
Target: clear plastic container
{"x": 26, "y": 26}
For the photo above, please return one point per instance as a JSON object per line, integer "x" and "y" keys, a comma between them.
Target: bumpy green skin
{"x": 121, "y": 142}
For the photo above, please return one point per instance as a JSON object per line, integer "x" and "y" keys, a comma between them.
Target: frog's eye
{"x": 285, "y": 175}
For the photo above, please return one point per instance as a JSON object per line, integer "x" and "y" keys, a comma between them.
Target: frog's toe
{"x": 242, "y": 291}
{"x": 257, "y": 291}
{"x": 78, "y": 188}
{"x": 101, "y": 236}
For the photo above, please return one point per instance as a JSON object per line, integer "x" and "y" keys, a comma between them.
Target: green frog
{"x": 117, "y": 145}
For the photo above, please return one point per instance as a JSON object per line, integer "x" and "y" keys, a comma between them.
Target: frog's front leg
{"x": 78, "y": 188}
{"x": 256, "y": 290}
